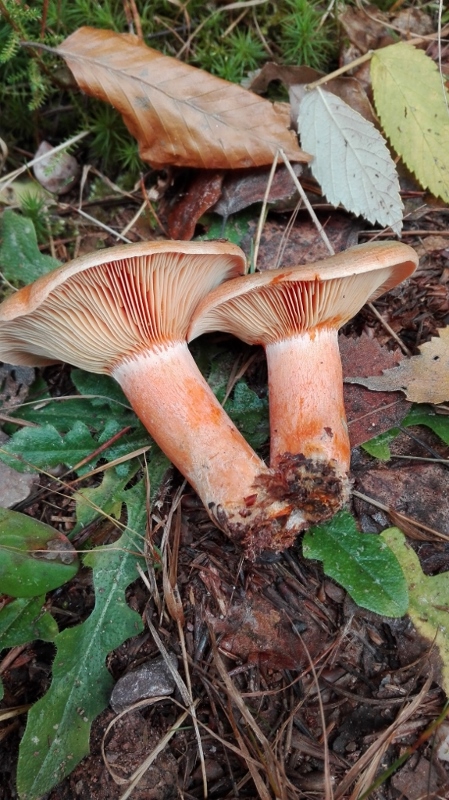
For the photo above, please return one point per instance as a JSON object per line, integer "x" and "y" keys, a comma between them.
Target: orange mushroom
{"x": 125, "y": 311}
{"x": 295, "y": 313}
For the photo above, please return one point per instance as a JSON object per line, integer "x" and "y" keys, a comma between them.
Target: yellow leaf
{"x": 411, "y": 103}
{"x": 428, "y": 599}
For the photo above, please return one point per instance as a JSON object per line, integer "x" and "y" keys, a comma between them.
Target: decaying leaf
{"x": 369, "y": 413}
{"x": 409, "y": 98}
{"x": 179, "y": 114}
{"x": 428, "y": 598}
{"x": 423, "y": 378}
{"x": 352, "y": 162}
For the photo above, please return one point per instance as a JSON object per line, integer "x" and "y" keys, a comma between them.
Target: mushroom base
{"x": 273, "y": 526}
{"x": 319, "y": 487}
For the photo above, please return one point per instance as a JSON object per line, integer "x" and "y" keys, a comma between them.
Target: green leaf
{"x": 429, "y": 598}
{"x": 412, "y": 106}
{"x": 57, "y": 733}
{"x": 234, "y": 229}
{"x": 34, "y": 557}
{"x": 379, "y": 446}
{"x": 249, "y": 413}
{"x": 361, "y": 562}
{"x": 24, "y": 620}
{"x": 43, "y": 448}
{"x": 107, "y": 390}
{"x": 99, "y": 501}
{"x": 20, "y": 258}
{"x": 425, "y": 415}
{"x": 418, "y": 415}
{"x": 62, "y": 414}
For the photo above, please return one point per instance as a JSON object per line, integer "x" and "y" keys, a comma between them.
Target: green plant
{"x": 305, "y": 39}
{"x": 34, "y": 207}
{"x": 233, "y": 57}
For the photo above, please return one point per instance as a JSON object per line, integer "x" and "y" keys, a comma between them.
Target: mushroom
{"x": 125, "y": 311}
{"x": 295, "y": 313}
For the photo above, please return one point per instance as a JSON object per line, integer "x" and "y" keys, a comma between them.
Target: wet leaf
{"x": 423, "y": 378}
{"x": 351, "y": 162}
{"x": 410, "y": 100}
{"x": 34, "y": 557}
{"x": 361, "y": 562}
{"x": 428, "y": 598}
{"x": 180, "y": 115}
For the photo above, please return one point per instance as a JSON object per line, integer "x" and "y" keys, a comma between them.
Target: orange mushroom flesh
{"x": 125, "y": 312}
{"x": 295, "y": 313}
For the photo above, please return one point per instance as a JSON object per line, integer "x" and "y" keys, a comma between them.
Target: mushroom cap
{"x": 107, "y": 306}
{"x": 266, "y": 307}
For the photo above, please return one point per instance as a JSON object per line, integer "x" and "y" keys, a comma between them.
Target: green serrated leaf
{"x": 249, "y": 413}
{"x": 105, "y": 499}
{"x": 24, "y": 620}
{"x": 20, "y": 258}
{"x": 412, "y": 106}
{"x": 57, "y": 733}
{"x": 429, "y": 598}
{"x": 34, "y": 557}
{"x": 62, "y": 414}
{"x": 42, "y": 448}
{"x": 106, "y": 389}
{"x": 361, "y": 563}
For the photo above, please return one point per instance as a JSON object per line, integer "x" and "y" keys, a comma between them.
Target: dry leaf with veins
{"x": 180, "y": 115}
{"x": 423, "y": 378}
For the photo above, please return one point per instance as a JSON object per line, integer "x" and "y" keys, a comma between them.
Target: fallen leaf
{"x": 242, "y": 190}
{"x": 428, "y": 598}
{"x": 418, "y": 490}
{"x": 369, "y": 414}
{"x": 296, "y": 79}
{"x": 366, "y": 27}
{"x": 423, "y": 378}
{"x": 255, "y": 630}
{"x": 417, "y": 779}
{"x": 351, "y": 162}
{"x": 203, "y": 191}
{"x": 360, "y": 563}
{"x": 412, "y": 106}
{"x": 179, "y": 114}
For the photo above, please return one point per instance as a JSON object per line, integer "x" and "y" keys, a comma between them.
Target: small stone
{"x": 152, "y": 679}
{"x": 56, "y": 172}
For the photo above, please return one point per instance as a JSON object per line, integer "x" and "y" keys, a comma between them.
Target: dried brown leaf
{"x": 369, "y": 414}
{"x": 180, "y": 115}
{"x": 423, "y": 378}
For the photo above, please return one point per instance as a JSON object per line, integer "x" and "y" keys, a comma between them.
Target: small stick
{"x": 389, "y": 330}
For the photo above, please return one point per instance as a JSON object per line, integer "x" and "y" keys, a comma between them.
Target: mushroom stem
{"x": 309, "y": 434}
{"x": 307, "y": 413}
{"x": 178, "y": 408}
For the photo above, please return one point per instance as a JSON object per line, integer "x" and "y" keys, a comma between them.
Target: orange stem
{"x": 176, "y": 405}
{"x": 307, "y": 413}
